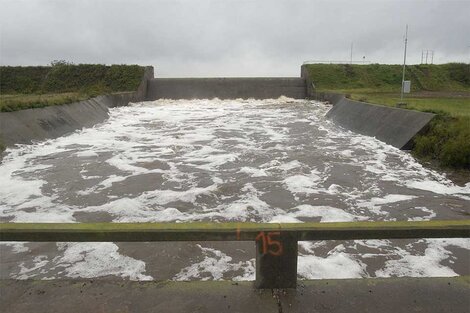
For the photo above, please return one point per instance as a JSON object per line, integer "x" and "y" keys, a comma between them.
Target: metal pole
{"x": 351, "y": 53}
{"x": 404, "y": 65}
{"x": 432, "y": 56}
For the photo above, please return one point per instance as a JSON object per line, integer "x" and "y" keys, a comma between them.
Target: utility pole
{"x": 404, "y": 64}
{"x": 469, "y": 56}
{"x": 468, "y": 60}
{"x": 351, "y": 53}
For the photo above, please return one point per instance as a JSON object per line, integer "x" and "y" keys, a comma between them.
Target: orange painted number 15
{"x": 273, "y": 247}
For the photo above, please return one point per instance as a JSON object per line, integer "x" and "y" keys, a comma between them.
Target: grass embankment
{"x": 61, "y": 83}
{"x": 440, "y": 89}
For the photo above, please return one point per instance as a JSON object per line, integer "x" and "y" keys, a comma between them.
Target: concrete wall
{"x": 30, "y": 125}
{"x": 394, "y": 126}
{"x": 226, "y": 88}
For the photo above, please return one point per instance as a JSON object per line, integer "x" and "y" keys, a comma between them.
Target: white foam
{"x": 430, "y": 214}
{"x": 326, "y": 214}
{"x": 16, "y": 246}
{"x": 249, "y": 207}
{"x": 86, "y": 154}
{"x": 39, "y": 261}
{"x": 302, "y": 183}
{"x": 213, "y": 267}
{"x": 427, "y": 265}
{"x": 374, "y": 204}
{"x": 290, "y": 165}
{"x": 440, "y": 188}
{"x": 254, "y": 172}
{"x": 98, "y": 259}
{"x": 337, "y": 265}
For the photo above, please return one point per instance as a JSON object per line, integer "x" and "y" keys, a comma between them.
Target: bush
{"x": 64, "y": 77}
{"x": 446, "y": 140}
{"x": 63, "y": 83}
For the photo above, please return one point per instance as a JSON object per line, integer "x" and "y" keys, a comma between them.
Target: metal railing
{"x": 276, "y": 244}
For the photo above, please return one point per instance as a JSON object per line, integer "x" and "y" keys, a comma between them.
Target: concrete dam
{"x": 226, "y": 88}
{"x": 224, "y": 150}
{"x": 394, "y": 126}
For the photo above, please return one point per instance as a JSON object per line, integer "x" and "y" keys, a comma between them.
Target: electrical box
{"x": 407, "y": 86}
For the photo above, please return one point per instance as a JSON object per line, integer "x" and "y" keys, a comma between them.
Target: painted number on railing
{"x": 271, "y": 246}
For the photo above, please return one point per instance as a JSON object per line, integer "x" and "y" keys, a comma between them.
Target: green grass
{"x": 39, "y": 86}
{"x": 454, "y": 106}
{"x": 17, "y": 102}
{"x": 387, "y": 78}
{"x": 442, "y": 89}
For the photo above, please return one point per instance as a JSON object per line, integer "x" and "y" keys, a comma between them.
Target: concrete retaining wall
{"x": 30, "y": 125}
{"x": 226, "y": 88}
{"x": 394, "y": 126}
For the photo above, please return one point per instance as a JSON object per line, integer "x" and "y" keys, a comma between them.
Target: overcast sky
{"x": 230, "y": 37}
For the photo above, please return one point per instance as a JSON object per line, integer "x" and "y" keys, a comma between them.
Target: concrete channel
{"x": 247, "y": 156}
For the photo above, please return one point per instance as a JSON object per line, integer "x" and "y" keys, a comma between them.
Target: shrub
{"x": 446, "y": 140}
{"x": 64, "y": 77}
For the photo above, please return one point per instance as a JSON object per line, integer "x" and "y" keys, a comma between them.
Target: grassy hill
{"x": 39, "y": 86}
{"x": 387, "y": 78}
{"x": 442, "y": 89}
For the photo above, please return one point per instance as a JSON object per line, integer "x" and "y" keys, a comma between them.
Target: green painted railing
{"x": 276, "y": 243}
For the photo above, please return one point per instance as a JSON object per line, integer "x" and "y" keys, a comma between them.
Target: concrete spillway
{"x": 226, "y": 88}
{"x": 396, "y": 127}
{"x": 273, "y": 160}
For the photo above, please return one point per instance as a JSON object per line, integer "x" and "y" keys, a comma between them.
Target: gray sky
{"x": 230, "y": 37}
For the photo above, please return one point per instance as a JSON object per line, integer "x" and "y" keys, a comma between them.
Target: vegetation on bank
{"x": 455, "y": 105}
{"x": 447, "y": 140}
{"x": 441, "y": 89}
{"x": 23, "y": 87}
{"x": 386, "y": 78}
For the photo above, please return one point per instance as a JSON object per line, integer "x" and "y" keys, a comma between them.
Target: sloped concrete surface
{"x": 353, "y": 295}
{"x": 38, "y": 124}
{"x": 391, "y": 125}
{"x": 25, "y": 126}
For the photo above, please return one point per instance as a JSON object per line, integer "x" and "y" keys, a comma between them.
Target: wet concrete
{"x": 361, "y": 295}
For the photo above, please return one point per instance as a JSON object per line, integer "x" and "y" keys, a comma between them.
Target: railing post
{"x": 276, "y": 260}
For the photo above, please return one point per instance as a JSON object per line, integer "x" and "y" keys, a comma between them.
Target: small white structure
{"x": 407, "y": 86}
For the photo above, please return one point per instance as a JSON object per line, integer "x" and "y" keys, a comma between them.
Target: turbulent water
{"x": 274, "y": 160}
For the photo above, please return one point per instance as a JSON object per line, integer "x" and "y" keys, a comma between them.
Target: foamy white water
{"x": 273, "y": 160}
